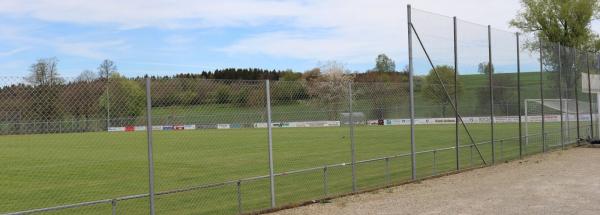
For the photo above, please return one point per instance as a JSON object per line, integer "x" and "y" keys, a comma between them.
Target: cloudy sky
{"x": 165, "y": 37}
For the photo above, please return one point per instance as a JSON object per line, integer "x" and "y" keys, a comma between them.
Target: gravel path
{"x": 561, "y": 182}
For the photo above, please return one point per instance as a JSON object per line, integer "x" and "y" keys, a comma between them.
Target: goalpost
{"x": 590, "y": 83}
{"x": 553, "y": 113}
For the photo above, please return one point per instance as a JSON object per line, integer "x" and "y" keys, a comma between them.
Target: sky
{"x": 166, "y": 37}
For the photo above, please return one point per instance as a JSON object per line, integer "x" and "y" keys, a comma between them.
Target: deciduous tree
{"x": 433, "y": 90}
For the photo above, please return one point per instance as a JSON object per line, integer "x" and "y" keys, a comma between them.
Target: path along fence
{"x": 473, "y": 96}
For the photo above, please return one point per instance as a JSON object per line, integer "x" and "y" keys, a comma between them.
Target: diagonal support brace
{"x": 447, "y": 94}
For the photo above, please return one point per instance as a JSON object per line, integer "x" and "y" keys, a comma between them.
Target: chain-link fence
{"x": 59, "y": 151}
{"x": 473, "y": 96}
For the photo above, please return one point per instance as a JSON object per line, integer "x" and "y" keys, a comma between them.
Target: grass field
{"x": 53, "y": 169}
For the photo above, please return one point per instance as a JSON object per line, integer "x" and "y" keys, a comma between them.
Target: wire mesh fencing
{"x": 57, "y": 152}
{"x": 472, "y": 96}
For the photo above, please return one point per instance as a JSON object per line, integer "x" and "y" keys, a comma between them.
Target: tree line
{"x": 115, "y": 100}
{"x": 46, "y": 96}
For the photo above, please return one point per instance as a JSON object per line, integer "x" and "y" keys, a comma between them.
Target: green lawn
{"x": 54, "y": 169}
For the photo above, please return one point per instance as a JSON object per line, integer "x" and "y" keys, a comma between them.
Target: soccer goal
{"x": 591, "y": 83}
{"x": 554, "y": 109}
{"x": 357, "y": 117}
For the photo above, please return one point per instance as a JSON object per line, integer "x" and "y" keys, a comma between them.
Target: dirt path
{"x": 561, "y": 182}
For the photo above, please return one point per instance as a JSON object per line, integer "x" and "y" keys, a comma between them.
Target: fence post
{"x": 113, "y": 204}
{"x": 597, "y": 107}
{"x": 434, "y": 162}
{"x": 574, "y": 73}
{"x": 107, "y": 103}
{"x": 526, "y": 126}
{"x": 352, "y": 143}
{"x": 519, "y": 97}
{"x": 456, "y": 96}
{"x": 560, "y": 96}
{"x": 412, "y": 97}
{"x": 501, "y": 150}
{"x": 270, "y": 140}
{"x": 150, "y": 151}
{"x": 491, "y": 77}
{"x": 387, "y": 171}
{"x": 325, "y": 180}
{"x": 587, "y": 62}
{"x": 471, "y": 156}
{"x": 239, "y": 196}
{"x": 542, "y": 94}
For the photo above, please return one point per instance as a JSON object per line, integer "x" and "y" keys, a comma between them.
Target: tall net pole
{"x": 589, "y": 83}
{"x": 412, "y": 97}
{"x": 270, "y": 142}
{"x": 560, "y": 97}
{"x": 491, "y": 79}
{"x": 456, "y": 96}
{"x": 519, "y": 96}
{"x": 150, "y": 151}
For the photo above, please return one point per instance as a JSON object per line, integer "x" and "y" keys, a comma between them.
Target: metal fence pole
{"x": 542, "y": 95}
{"x": 574, "y": 73}
{"x": 519, "y": 97}
{"x": 387, "y": 171}
{"x": 526, "y": 144}
{"x": 491, "y": 77}
{"x": 352, "y": 143}
{"x": 456, "y": 95}
{"x": 150, "y": 151}
{"x": 560, "y": 97}
{"x": 501, "y": 150}
{"x": 597, "y": 107}
{"x": 587, "y": 60}
{"x": 270, "y": 140}
{"x": 471, "y": 155}
{"x": 107, "y": 103}
{"x": 325, "y": 190}
{"x": 239, "y": 196}
{"x": 412, "y": 97}
{"x": 113, "y": 204}
{"x": 434, "y": 162}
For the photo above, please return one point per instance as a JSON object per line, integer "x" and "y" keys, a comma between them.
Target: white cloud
{"x": 359, "y": 30}
{"x": 209, "y": 13}
{"x": 348, "y": 31}
{"x": 30, "y": 38}
{"x": 286, "y": 44}
{"x": 155, "y": 13}
{"x": 81, "y": 47}
{"x": 352, "y": 31}
{"x": 13, "y": 51}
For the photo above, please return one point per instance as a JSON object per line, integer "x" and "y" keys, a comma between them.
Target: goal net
{"x": 357, "y": 117}
{"x": 554, "y": 109}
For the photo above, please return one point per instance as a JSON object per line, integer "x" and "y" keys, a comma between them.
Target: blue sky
{"x": 163, "y": 37}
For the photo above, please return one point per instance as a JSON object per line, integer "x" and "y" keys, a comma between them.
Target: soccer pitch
{"x": 47, "y": 170}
